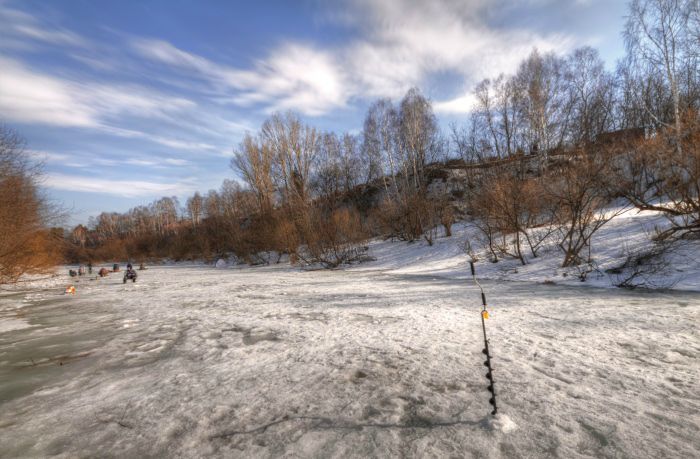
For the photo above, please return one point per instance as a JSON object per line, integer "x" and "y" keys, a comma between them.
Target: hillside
{"x": 627, "y": 233}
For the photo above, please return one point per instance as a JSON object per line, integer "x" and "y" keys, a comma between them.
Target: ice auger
{"x": 485, "y": 315}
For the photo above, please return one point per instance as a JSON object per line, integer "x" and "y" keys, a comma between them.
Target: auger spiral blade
{"x": 487, "y": 363}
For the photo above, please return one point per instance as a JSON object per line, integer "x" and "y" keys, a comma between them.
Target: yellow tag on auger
{"x": 485, "y": 314}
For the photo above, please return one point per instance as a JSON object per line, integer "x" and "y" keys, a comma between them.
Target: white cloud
{"x": 20, "y": 25}
{"x": 30, "y": 96}
{"x": 89, "y": 160}
{"x": 458, "y": 105}
{"x": 402, "y": 43}
{"x": 157, "y": 163}
{"x": 167, "y": 141}
{"x": 26, "y": 96}
{"x": 48, "y": 156}
{"x": 292, "y": 77}
{"x": 131, "y": 100}
{"x": 176, "y": 162}
{"x": 408, "y": 41}
{"x": 63, "y": 37}
{"x": 169, "y": 54}
{"x": 123, "y": 188}
{"x": 140, "y": 162}
{"x": 399, "y": 44}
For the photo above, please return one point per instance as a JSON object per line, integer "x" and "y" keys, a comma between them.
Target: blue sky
{"x": 127, "y": 101}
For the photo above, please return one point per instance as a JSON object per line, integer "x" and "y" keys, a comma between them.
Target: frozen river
{"x": 268, "y": 362}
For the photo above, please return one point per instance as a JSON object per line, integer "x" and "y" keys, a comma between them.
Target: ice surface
{"x": 377, "y": 361}
{"x": 11, "y": 323}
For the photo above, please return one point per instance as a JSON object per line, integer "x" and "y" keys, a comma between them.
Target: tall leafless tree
{"x": 254, "y": 160}
{"x": 26, "y": 243}
{"x": 658, "y": 43}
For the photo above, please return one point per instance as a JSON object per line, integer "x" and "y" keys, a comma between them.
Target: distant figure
{"x": 130, "y": 273}
{"x": 115, "y": 267}
{"x": 72, "y": 272}
{"x": 142, "y": 267}
{"x": 81, "y": 270}
{"x": 89, "y": 267}
{"x": 103, "y": 272}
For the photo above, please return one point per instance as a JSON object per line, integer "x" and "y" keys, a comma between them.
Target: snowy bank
{"x": 626, "y": 233}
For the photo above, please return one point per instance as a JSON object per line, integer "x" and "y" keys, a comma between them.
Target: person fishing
{"x": 130, "y": 273}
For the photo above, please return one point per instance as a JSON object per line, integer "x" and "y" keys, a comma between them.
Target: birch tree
{"x": 657, "y": 39}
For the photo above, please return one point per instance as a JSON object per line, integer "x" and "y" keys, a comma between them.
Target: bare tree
{"x": 419, "y": 137}
{"x": 540, "y": 89}
{"x": 350, "y": 162}
{"x": 294, "y": 146}
{"x": 26, "y": 243}
{"x": 496, "y": 116}
{"x": 194, "y": 209}
{"x": 254, "y": 160}
{"x": 656, "y": 35}
{"x": 657, "y": 175}
{"x": 380, "y": 143}
{"x": 591, "y": 95}
{"x": 514, "y": 212}
{"x": 581, "y": 188}
{"x": 165, "y": 217}
{"x": 333, "y": 238}
{"x": 79, "y": 235}
{"x": 338, "y": 168}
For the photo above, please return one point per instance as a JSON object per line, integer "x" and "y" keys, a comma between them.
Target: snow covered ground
{"x": 381, "y": 360}
{"x": 626, "y": 233}
{"x": 378, "y": 360}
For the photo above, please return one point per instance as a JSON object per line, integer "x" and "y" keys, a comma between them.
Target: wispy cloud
{"x": 459, "y": 105}
{"x": 103, "y": 103}
{"x": 48, "y": 156}
{"x": 398, "y": 44}
{"x": 408, "y": 41}
{"x": 176, "y": 162}
{"x": 83, "y": 160}
{"x": 48, "y": 36}
{"x": 402, "y": 43}
{"x": 28, "y": 96}
{"x": 20, "y": 25}
{"x": 167, "y": 141}
{"x": 123, "y": 188}
{"x": 157, "y": 163}
{"x": 292, "y": 77}
{"x": 295, "y": 77}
